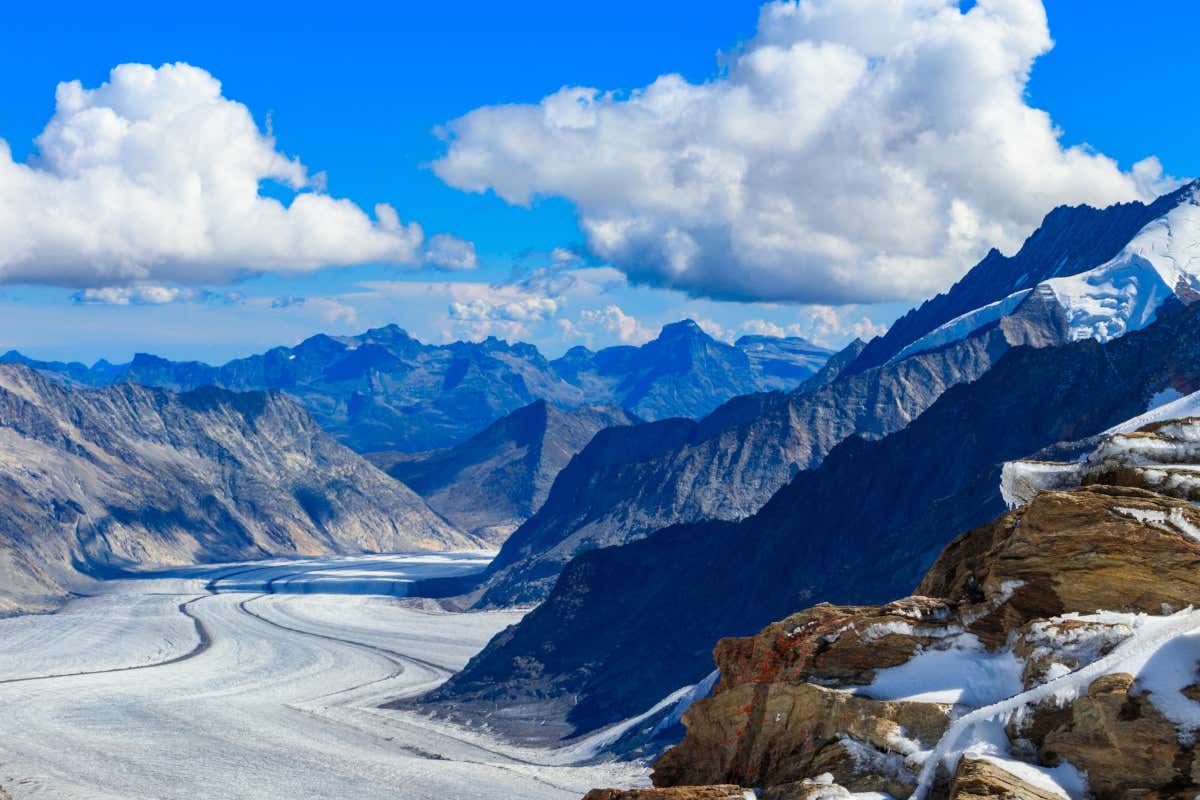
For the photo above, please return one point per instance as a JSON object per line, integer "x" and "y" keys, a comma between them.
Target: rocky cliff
{"x": 626, "y": 626}
{"x": 1051, "y": 653}
{"x": 496, "y": 480}
{"x": 94, "y": 481}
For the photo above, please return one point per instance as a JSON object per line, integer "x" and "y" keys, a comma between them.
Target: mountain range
{"x": 626, "y": 626}
{"x": 94, "y": 482}
{"x": 859, "y": 524}
{"x": 385, "y": 390}
{"x": 630, "y": 482}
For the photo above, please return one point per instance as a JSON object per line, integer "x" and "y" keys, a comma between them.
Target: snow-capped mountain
{"x": 1160, "y": 264}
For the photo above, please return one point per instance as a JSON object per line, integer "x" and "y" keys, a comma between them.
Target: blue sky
{"x": 359, "y": 94}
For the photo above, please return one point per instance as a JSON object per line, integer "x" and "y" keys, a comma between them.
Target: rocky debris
{"x": 1037, "y": 615}
{"x": 673, "y": 793}
{"x": 97, "y": 481}
{"x": 1117, "y": 737}
{"x": 980, "y": 779}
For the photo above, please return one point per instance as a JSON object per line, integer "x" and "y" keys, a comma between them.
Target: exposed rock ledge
{"x": 1062, "y": 621}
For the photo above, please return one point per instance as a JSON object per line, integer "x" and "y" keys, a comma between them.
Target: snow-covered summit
{"x": 1124, "y": 294}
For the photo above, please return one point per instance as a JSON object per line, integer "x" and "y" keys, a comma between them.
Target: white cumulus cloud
{"x": 609, "y": 321}
{"x": 154, "y": 176}
{"x": 149, "y": 295}
{"x": 851, "y": 151}
{"x": 450, "y": 253}
{"x": 524, "y": 309}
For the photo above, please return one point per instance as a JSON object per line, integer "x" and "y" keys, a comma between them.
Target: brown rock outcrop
{"x": 977, "y": 779}
{"x": 1074, "y": 552}
{"x": 1124, "y": 744}
{"x": 786, "y": 707}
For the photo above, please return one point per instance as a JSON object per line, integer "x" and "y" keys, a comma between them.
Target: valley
{"x": 198, "y": 683}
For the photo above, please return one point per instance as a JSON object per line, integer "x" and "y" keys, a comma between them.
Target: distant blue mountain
{"x": 385, "y": 390}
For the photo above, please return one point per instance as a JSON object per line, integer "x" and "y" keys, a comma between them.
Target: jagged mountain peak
{"x": 1070, "y": 240}
{"x": 1156, "y": 266}
{"x": 385, "y": 390}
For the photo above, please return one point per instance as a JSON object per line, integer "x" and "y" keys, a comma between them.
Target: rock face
{"x": 493, "y": 482}
{"x": 979, "y": 779}
{"x": 94, "y": 481}
{"x": 626, "y": 626}
{"x": 1057, "y": 617}
{"x": 384, "y": 390}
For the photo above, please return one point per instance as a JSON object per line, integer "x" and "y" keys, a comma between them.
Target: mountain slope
{"x": 861, "y": 527}
{"x": 631, "y": 481}
{"x": 493, "y": 482}
{"x": 99, "y": 480}
{"x": 384, "y": 390}
{"x": 1070, "y": 240}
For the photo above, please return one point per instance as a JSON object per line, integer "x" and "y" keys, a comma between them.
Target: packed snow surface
{"x": 162, "y": 688}
{"x": 963, "y": 326}
{"x": 1163, "y": 406}
{"x": 960, "y": 672}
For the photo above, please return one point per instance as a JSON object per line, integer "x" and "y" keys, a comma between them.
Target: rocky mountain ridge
{"x": 635, "y": 481}
{"x": 385, "y": 390}
{"x": 497, "y": 479}
{"x": 632, "y": 481}
{"x": 97, "y": 481}
{"x": 1070, "y": 240}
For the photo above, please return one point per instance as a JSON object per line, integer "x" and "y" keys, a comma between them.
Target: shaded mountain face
{"x": 630, "y": 482}
{"x": 94, "y": 481}
{"x": 626, "y": 626}
{"x": 384, "y": 390}
{"x": 1070, "y": 240}
{"x": 497, "y": 479}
